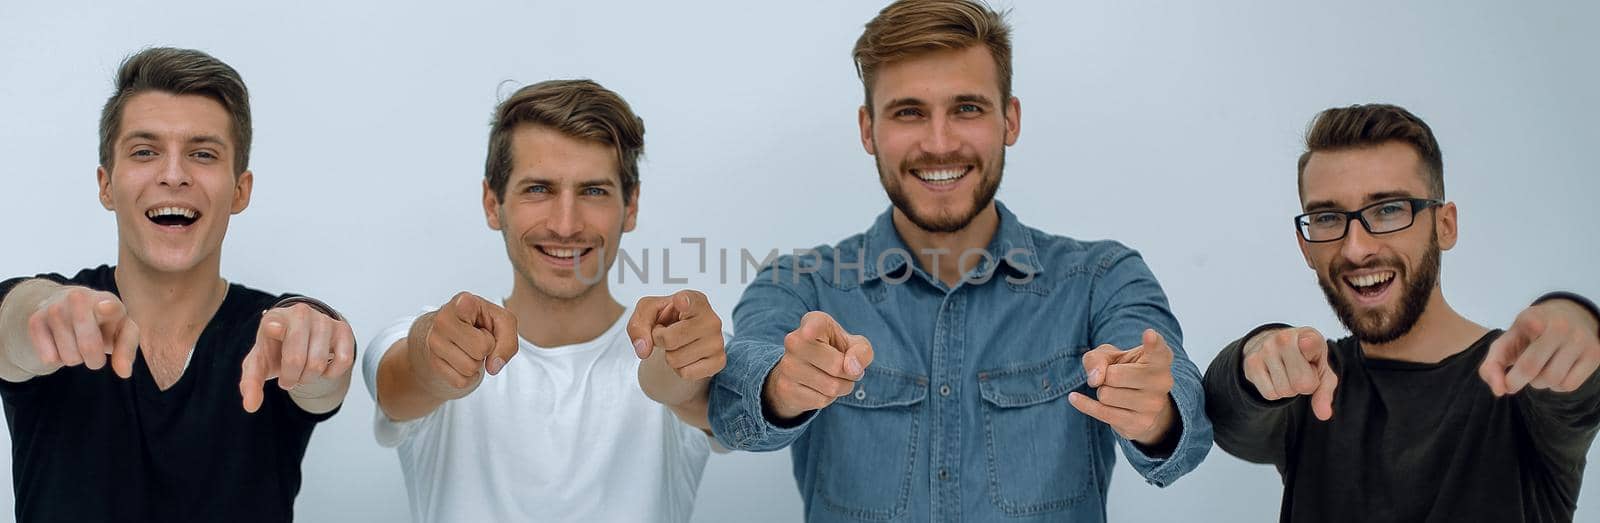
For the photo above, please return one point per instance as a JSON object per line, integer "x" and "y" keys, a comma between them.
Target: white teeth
{"x": 170, "y": 211}
{"x": 1368, "y": 280}
{"x": 561, "y": 253}
{"x": 942, "y": 175}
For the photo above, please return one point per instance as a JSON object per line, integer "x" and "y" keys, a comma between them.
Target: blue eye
{"x": 538, "y": 189}
{"x": 1327, "y": 219}
{"x": 968, "y": 108}
{"x": 594, "y": 191}
{"x": 144, "y": 152}
{"x": 909, "y": 111}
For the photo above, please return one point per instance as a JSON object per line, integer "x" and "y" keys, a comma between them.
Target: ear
{"x": 864, "y": 119}
{"x": 104, "y": 179}
{"x": 1013, "y": 114}
{"x": 491, "y": 206}
{"x": 1445, "y": 224}
{"x": 242, "y": 187}
{"x": 631, "y": 218}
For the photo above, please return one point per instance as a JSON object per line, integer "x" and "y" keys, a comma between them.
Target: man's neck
{"x": 169, "y": 305}
{"x": 941, "y": 253}
{"x": 1440, "y": 333}
{"x": 552, "y": 322}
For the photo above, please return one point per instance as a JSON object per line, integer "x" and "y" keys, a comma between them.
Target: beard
{"x": 939, "y": 222}
{"x": 1379, "y": 326}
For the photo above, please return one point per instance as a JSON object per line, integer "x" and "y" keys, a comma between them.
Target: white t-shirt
{"x": 561, "y": 434}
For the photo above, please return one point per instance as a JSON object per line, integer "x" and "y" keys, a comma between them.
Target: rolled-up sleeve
{"x": 1126, "y": 300}
{"x": 768, "y": 310}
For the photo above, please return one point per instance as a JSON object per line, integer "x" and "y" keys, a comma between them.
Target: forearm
{"x": 687, "y": 398}
{"x": 696, "y": 410}
{"x": 19, "y": 361}
{"x": 401, "y": 395}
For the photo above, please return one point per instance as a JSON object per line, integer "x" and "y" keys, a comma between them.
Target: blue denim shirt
{"x": 963, "y": 413}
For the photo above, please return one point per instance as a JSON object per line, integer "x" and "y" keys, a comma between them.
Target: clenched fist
{"x": 79, "y": 326}
{"x": 449, "y": 349}
{"x": 1292, "y": 362}
{"x": 820, "y": 363}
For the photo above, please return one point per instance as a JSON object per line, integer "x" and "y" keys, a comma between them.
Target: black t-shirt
{"x": 1411, "y": 442}
{"x": 90, "y": 446}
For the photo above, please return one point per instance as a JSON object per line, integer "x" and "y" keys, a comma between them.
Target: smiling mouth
{"x": 942, "y": 175}
{"x": 563, "y": 253}
{"x": 176, "y": 217}
{"x": 1370, "y": 285}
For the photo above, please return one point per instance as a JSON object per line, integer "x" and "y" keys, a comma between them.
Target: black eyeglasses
{"x": 1379, "y": 218}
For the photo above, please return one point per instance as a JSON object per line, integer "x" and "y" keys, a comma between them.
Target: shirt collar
{"x": 1012, "y": 246}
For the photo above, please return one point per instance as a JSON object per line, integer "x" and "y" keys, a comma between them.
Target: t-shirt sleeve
{"x": 390, "y": 433}
{"x": 1564, "y": 424}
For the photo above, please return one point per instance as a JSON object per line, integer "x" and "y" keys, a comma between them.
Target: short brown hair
{"x": 577, "y": 108}
{"x": 911, "y": 27}
{"x": 1371, "y": 125}
{"x": 179, "y": 72}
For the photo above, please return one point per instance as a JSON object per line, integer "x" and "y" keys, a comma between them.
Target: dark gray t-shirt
{"x": 1411, "y": 442}
{"x": 87, "y": 445}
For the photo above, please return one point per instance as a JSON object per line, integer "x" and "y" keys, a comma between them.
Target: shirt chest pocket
{"x": 1042, "y": 453}
{"x": 869, "y": 444}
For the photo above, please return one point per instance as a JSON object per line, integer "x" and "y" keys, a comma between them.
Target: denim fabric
{"x": 963, "y": 413}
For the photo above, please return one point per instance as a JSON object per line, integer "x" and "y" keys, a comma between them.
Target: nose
{"x": 1358, "y": 244}
{"x": 941, "y": 139}
{"x": 173, "y": 173}
{"x": 564, "y": 222}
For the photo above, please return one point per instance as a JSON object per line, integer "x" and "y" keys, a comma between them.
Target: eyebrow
{"x": 1324, "y": 205}
{"x": 974, "y": 99}
{"x": 599, "y": 182}
{"x": 196, "y": 139}
{"x": 903, "y": 102}
{"x": 960, "y": 99}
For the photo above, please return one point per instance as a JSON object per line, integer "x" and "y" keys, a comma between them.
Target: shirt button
{"x": 944, "y": 474}
{"x": 861, "y": 394}
{"x": 944, "y": 390}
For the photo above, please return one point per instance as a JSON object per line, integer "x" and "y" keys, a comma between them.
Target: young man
{"x": 163, "y": 434}
{"x": 950, "y": 363}
{"x": 1420, "y": 414}
{"x": 562, "y": 431}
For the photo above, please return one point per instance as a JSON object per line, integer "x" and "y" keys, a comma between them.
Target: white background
{"x": 1169, "y": 126}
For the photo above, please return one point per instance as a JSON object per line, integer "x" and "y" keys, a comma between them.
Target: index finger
{"x": 1502, "y": 353}
{"x": 506, "y": 339}
{"x": 259, "y": 366}
{"x": 125, "y": 348}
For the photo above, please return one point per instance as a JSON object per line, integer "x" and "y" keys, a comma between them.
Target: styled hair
{"x": 178, "y": 72}
{"x": 908, "y": 28}
{"x": 580, "y": 109}
{"x": 1371, "y": 125}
